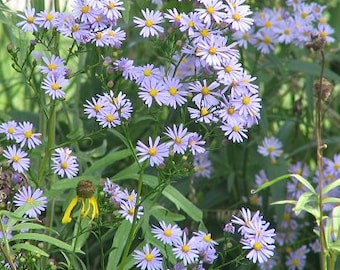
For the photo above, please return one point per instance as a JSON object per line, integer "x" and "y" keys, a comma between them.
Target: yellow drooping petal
{"x": 67, "y": 215}
{"x": 95, "y": 208}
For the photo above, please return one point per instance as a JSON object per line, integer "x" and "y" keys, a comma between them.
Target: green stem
{"x": 5, "y": 249}
{"x": 319, "y": 149}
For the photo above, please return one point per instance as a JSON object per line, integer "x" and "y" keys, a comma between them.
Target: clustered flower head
{"x": 63, "y": 163}
{"x": 189, "y": 252}
{"x": 126, "y": 201}
{"x": 24, "y": 137}
{"x": 255, "y": 235}
{"x": 296, "y": 23}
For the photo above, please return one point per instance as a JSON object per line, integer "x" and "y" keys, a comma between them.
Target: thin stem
{"x": 319, "y": 155}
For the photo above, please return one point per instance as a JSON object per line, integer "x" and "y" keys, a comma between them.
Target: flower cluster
{"x": 179, "y": 141}
{"x": 109, "y": 109}
{"x": 63, "y": 163}
{"x": 22, "y": 133}
{"x": 89, "y": 22}
{"x": 124, "y": 200}
{"x": 296, "y": 23}
{"x": 255, "y": 235}
{"x": 189, "y": 252}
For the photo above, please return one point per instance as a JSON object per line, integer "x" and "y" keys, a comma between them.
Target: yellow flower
{"x": 85, "y": 195}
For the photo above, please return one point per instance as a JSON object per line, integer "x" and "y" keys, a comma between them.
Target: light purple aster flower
{"x": 26, "y": 196}
{"x": 156, "y": 152}
{"x": 271, "y": 147}
{"x": 28, "y": 25}
{"x": 167, "y": 233}
{"x": 150, "y": 23}
{"x": 148, "y": 259}
{"x": 17, "y": 158}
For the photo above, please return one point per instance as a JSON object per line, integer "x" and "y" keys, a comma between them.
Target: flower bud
{"x": 85, "y": 189}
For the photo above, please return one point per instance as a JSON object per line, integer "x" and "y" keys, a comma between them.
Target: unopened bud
{"x": 316, "y": 43}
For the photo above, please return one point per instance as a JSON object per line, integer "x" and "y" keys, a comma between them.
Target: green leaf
{"x": 42, "y": 238}
{"x": 126, "y": 11}
{"x": 30, "y": 226}
{"x": 177, "y": 198}
{"x": 118, "y": 244}
{"x": 270, "y": 183}
{"x": 303, "y": 200}
{"x": 106, "y": 161}
{"x": 331, "y": 186}
{"x": 304, "y": 182}
{"x": 25, "y": 246}
{"x": 284, "y": 202}
{"x": 330, "y": 200}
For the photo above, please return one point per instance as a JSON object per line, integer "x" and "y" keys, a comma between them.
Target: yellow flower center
{"x": 212, "y": 50}
{"x": 10, "y": 130}
{"x": 147, "y": 72}
{"x": 15, "y": 158}
{"x": 204, "y": 111}
{"x": 74, "y": 28}
{"x": 246, "y": 100}
{"x": 236, "y": 128}
{"x": 111, "y": 33}
{"x": 110, "y": 117}
{"x": 99, "y": 35}
{"x": 207, "y": 238}
{"x": 191, "y": 23}
{"x": 148, "y": 22}
{"x": 231, "y": 110}
{"x": 268, "y": 24}
{"x": 52, "y": 66}
{"x": 130, "y": 198}
{"x": 228, "y": 69}
{"x": 149, "y": 257}
{"x": 85, "y": 9}
{"x": 270, "y": 149}
{"x": 185, "y": 248}
{"x": 29, "y": 200}
{"x": 131, "y": 211}
{"x": 153, "y": 92}
{"x": 337, "y": 166}
{"x": 286, "y": 31}
{"x": 167, "y": 232}
{"x": 28, "y": 134}
{"x": 210, "y": 10}
{"x": 49, "y": 17}
{"x": 267, "y": 40}
{"x": 237, "y": 17}
{"x": 296, "y": 262}
{"x": 99, "y": 18}
{"x": 152, "y": 151}
{"x": 204, "y": 32}
{"x": 304, "y": 15}
{"x": 110, "y": 5}
{"x": 323, "y": 20}
{"x": 205, "y": 91}
{"x": 178, "y": 140}
{"x": 323, "y": 34}
{"x": 173, "y": 91}
{"x": 30, "y": 19}
{"x": 64, "y": 165}
{"x": 257, "y": 246}
{"x": 245, "y": 36}
{"x": 55, "y": 86}
{"x": 97, "y": 107}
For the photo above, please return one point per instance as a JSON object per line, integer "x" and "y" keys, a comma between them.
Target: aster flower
{"x": 53, "y": 65}
{"x": 234, "y": 131}
{"x": 202, "y": 165}
{"x": 271, "y": 147}
{"x": 265, "y": 41}
{"x": 112, "y": 9}
{"x": 167, "y": 233}
{"x": 195, "y": 143}
{"x": 190, "y": 21}
{"x": 10, "y": 129}
{"x": 25, "y": 135}
{"x": 46, "y": 19}
{"x": 202, "y": 114}
{"x": 63, "y": 163}
{"x": 53, "y": 85}
{"x": 94, "y": 107}
{"x": 185, "y": 250}
{"x": 204, "y": 93}
{"x": 84, "y": 12}
{"x": 17, "y": 158}
{"x": 109, "y": 118}
{"x": 244, "y": 38}
{"x": 89, "y": 204}
{"x": 203, "y": 240}
{"x": 236, "y": 16}
{"x": 176, "y": 96}
{"x": 146, "y": 73}
{"x": 26, "y": 195}
{"x": 229, "y": 227}
{"x": 148, "y": 259}
{"x": 125, "y": 66}
{"x": 28, "y": 25}
{"x": 296, "y": 260}
{"x": 150, "y": 23}
{"x": 213, "y": 11}
{"x": 179, "y": 138}
{"x": 128, "y": 209}
{"x": 248, "y": 104}
{"x": 156, "y": 152}
{"x": 152, "y": 90}
{"x": 173, "y": 16}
